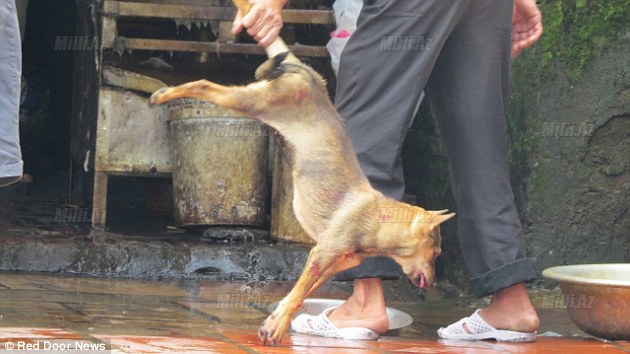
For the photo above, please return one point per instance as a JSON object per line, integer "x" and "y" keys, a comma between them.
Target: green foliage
{"x": 575, "y": 29}
{"x": 550, "y": 41}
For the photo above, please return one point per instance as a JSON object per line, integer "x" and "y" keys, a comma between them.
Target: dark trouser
{"x": 458, "y": 51}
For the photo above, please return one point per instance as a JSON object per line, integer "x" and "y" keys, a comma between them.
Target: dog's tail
{"x": 272, "y": 68}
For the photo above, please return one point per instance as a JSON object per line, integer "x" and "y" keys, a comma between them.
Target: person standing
{"x": 458, "y": 52}
{"x": 11, "y": 164}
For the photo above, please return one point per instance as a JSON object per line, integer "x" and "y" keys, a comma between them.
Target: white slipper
{"x": 321, "y": 326}
{"x": 481, "y": 330}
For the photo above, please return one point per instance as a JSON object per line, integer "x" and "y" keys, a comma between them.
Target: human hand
{"x": 527, "y": 25}
{"x": 263, "y": 21}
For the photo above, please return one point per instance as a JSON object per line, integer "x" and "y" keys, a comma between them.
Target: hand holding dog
{"x": 263, "y": 21}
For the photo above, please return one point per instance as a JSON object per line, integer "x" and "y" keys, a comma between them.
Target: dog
{"x": 332, "y": 199}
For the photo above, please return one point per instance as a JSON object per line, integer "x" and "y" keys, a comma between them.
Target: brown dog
{"x": 333, "y": 200}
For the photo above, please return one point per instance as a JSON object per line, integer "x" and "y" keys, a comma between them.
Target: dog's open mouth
{"x": 421, "y": 281}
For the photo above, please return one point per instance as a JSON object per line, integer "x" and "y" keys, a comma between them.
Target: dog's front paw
{"x": 272, "y": 329}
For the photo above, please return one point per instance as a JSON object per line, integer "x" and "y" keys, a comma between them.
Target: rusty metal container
{"x": 219, "y": 163}
{"x": 284, "y": 225}
{"x": 597, "y": 297}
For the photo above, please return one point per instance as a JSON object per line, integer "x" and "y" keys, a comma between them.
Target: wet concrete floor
{"x": 198, "y": 316}
{"x": 183, "y": 311}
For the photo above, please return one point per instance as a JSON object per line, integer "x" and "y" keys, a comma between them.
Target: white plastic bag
{"x": 346, "y": 14}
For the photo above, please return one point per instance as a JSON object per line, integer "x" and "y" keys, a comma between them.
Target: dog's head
{"x": 420, "y": 245}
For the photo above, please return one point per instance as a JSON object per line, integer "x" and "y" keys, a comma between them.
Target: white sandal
{"x": 321, "y": 326}
{"x": 478, "y": 329}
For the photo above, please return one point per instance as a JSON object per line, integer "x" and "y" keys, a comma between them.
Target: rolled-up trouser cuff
{"x": 10, "y": 171}
{"x": 503, "y": 277}
{"x": 372, "y": 267}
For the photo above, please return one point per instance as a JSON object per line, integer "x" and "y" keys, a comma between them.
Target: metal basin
{"x": 397, "y": 319}
{"x": 597, "y": 297}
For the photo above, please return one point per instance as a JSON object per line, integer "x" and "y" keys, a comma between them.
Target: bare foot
{"x": 511, "y": 309}
{"x": 364, "y": 308}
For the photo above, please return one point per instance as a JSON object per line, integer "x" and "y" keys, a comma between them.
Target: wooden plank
{"x": 314, "y": 17}
{"x": 132, "y": 137}
{"x": 99, "y": 199}
{"x": 180, "y": 2}
{"x": 130, "y": 80}
{"x": 225, "y": 32}
{"x": 213, "y": 47}
{"x": 175, "y": 12}
{"x": 206, "y": 13}
{"x": 110, "y": 32}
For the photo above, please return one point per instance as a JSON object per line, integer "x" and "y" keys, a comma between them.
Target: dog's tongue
{"x": 422, "y": 280}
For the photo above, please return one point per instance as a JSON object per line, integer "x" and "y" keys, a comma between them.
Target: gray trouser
{"x": 458, "y": 51}
{"x": 10, "y": 71}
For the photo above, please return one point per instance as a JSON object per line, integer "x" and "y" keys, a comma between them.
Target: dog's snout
{"x": 422, "y": 281}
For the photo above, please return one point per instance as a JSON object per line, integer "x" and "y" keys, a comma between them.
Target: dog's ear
{"x": 272, "y": 68}
{"x": 439, "y": 216}
{"x": 437, "y": 212}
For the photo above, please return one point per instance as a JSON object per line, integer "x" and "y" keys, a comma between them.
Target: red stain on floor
{"x": 243, "y": 341}
{"x": 297, "y": 343}
{"x": 159, "y": 344}
{"x": 36, "y": 333}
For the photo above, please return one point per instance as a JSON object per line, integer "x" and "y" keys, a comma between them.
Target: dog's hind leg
{"x": 261, "y": 100}
{"x": 231, "y": 97}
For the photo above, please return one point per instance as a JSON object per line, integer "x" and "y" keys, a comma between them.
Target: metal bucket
{"x": 219, "y": 162}
{"x": 284, "y": 225}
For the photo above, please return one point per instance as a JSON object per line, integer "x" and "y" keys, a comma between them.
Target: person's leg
{"x": 10, "y": 71}
{"x": 364, "y": 308}
{"x": 383, "y": 70}
{"x": 468, "y": 92}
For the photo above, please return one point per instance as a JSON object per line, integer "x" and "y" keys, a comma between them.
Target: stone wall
{"x": 569, "y": 127}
